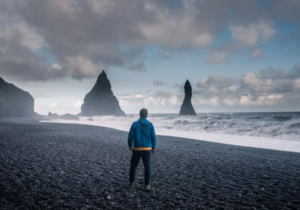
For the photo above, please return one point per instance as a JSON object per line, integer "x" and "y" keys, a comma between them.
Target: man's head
{"x": 143, "y": 113}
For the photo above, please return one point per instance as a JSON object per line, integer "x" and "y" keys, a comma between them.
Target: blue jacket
{"x": 142, "y": 133}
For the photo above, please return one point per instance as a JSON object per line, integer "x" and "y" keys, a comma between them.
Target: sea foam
{"x": 278, "y": 131}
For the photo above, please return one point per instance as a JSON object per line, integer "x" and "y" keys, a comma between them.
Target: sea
{"x": 268, "y": 130}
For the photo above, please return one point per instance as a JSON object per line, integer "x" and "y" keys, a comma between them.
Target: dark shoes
{"x": 147, "y": 187}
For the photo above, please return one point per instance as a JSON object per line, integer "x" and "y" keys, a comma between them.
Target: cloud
{"x": 79, "y": 36}
{"x": 162, "y": 98}
{"x": 218, "y": 57}
{"x": 255, "y": 54}
{"x": 260, "y": 88}
{"x": 251, "y": 34}
{"x": 77, "y": 104}
{"x": 80, "y": 67}
{"x": 157, "y": 99}
{"x": 268, "y": 81}
{"x": 204, "y": 39}
{"x": 216, "y": 81}
{"x": 56, "y": 66}
{"x": 158, "y": 83}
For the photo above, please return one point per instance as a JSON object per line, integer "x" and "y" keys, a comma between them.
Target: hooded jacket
{"x": 142, "y": 134}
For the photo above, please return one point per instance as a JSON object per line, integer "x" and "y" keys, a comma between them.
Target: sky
{"x": 240, "y": 56}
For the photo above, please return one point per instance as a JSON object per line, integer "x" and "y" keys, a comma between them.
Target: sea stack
{"x": 101, "y": 100}
{"x": 187, "y": 107}
{"x": 15, "y": 102}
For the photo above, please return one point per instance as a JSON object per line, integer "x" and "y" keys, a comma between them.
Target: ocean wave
{"x": 280, "y": 126}
{"x": 295, "y": 125}
{"x": 282, "y": 118}
{"x": 245, "y": 129}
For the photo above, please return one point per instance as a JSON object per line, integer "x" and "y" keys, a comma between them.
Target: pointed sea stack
{"x": 187, "y": 107}
{"x": 15, "y": 102}
{"x": 101, "y": 100}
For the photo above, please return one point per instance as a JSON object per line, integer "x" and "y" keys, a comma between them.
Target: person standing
{"x": 142, "y": 142}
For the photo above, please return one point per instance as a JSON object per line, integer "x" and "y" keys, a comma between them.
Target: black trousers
{"x": 135, "y": 159}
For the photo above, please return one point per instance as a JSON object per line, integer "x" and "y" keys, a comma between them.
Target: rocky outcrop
{"x": 101, "y": 100}
{"x": 39, "y": 116}
{"x": 69, "y": 117}
{"x": 15, "y": 102}
{"x": 53, "y": 116}
{"x": 187, "y": 107}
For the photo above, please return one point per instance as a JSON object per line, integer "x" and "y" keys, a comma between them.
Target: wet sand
{"x": 68, "y": 166}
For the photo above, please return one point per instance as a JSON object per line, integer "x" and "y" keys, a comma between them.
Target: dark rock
{"x": 56, "y": 166}
{"x": 187, "y": 107}
{"x": 101, "y": 100}
{"x": 39, "y": 116}
{"x": 53, "y": 116}
{"x": 63, "y": 117}
{"x": 69, "y": 117}
{"x": 15, "y": 102}
{"x": 90, "y": 119}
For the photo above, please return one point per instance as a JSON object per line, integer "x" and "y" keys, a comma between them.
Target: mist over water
{"x": 280, "y": 131}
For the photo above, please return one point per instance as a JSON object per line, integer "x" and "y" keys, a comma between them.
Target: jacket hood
{"x": 144, "y": 122}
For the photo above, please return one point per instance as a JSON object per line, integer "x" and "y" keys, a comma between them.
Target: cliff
{"x": 15, "y": 102}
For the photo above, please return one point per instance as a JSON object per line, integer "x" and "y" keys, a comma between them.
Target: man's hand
{"x": 153, "y": 150}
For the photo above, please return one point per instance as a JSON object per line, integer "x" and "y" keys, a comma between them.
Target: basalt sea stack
{"x": 101, "y": 100}
{"x": 15, "y": 102}
{"x": 187, "y": 107}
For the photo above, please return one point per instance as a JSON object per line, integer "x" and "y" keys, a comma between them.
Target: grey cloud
{"x": 135, "y": 67}
{"x": 216, "y": 81}
{"x": 158, "y": 83}
{"x": 75, "y": 30}
{"x": 287, "y": 11}
{"x": 20, "y": 62}
{"x": 271, "y": 81}
{"x": 255, "y": 54}
{"x": 115, "y": 33}
{"x": 262, "y": 88}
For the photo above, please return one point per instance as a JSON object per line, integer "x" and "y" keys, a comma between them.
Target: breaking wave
{"x": 266, "y": 130}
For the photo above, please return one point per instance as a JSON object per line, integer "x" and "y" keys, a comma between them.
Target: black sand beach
{"x": 60, "y": 166}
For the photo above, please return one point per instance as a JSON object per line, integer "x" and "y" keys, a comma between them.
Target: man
{"x": 142, "y": 135}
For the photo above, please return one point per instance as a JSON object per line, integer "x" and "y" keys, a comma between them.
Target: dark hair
{"x": 143, "y": 113}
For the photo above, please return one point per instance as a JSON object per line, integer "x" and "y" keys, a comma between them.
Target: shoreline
{"x": 244, "y": 141}
{"x": 295, "y": 147}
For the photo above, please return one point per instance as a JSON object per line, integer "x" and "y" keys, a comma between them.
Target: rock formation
{"x": 101, "y": 100}
{"x": 53, "y": 116}
{"x": 187, "y": 107}
{"x": 40, "y": 116}
{"x": 69, "y": 117}
{"x": 15, "y": 102}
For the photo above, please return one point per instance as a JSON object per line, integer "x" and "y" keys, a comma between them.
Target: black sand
{"x": 60, "y": 166}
